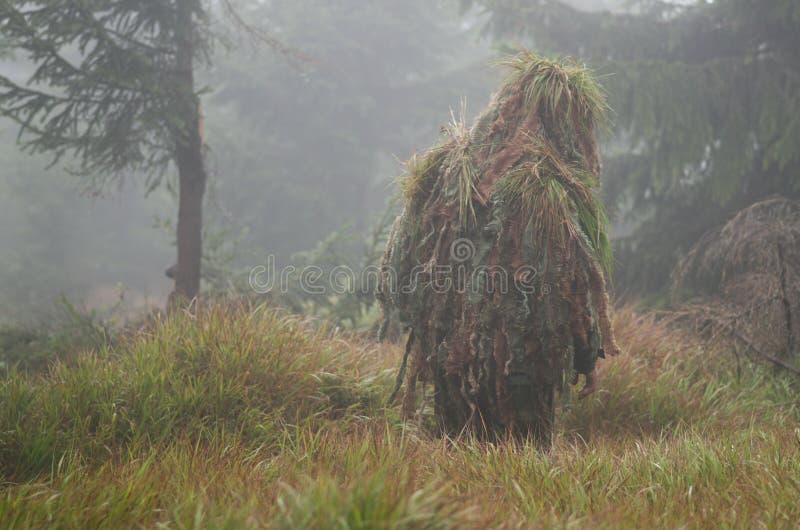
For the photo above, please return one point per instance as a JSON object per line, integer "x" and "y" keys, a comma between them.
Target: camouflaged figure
{"x": 496, "y": 263}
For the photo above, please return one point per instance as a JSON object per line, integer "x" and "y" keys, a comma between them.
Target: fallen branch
{"x": 774, "y": 360}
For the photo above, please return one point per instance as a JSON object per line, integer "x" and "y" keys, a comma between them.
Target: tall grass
{"x": 249, "y": 418}
{"x": 225, "y": 372}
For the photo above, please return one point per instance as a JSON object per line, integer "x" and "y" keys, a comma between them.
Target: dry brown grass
{"x": 672, "y": 439}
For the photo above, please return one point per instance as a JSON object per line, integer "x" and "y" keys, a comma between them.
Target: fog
{"x": 296, "y": 150}
{"x": 299, "y": 145}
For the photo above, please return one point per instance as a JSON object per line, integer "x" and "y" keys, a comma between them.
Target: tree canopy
{"x": 707, "y": 108}
{"x": 97, "y": 90}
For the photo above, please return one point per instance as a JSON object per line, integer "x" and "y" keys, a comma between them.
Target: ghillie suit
{"x": 496, "y": 262}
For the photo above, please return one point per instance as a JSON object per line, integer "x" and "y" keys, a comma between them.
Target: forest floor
{"x": 249, "y": 418}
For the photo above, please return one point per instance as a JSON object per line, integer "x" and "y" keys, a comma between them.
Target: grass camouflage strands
{"x": 497, "y": 262}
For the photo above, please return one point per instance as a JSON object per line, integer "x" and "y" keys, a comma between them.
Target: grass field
{"x": 249, "y": 418}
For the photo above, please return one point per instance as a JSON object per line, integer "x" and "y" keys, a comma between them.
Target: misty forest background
{"x": 297, "y": 150}
{"x": 304, "y": 147}
{"x": 270, "y": 410}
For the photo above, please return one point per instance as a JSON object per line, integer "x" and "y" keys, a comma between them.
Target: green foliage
{"x": 222, "y": 422}
{"x": 68, "y": 332}
{"x": 706, "y": 98}
{"x": 383, "y": 500}
{"x": 103, "y": 68}
{"x": 227, "y": 370}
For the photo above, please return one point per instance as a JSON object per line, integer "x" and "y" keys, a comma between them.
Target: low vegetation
{"x": 241, "y": 417}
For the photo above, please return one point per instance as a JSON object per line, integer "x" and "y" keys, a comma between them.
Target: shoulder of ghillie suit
{"x": 511, "y": 208}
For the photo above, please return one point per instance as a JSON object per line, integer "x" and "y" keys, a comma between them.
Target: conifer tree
{"x": 706, "y": 100}
{"x": 113, "y": 92}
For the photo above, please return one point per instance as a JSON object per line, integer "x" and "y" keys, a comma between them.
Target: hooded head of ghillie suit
{"x": 496, "y": 263}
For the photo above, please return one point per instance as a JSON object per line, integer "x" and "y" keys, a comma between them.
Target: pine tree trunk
{"x": 190, "y": 222}
{"x": 191, "y": 168}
